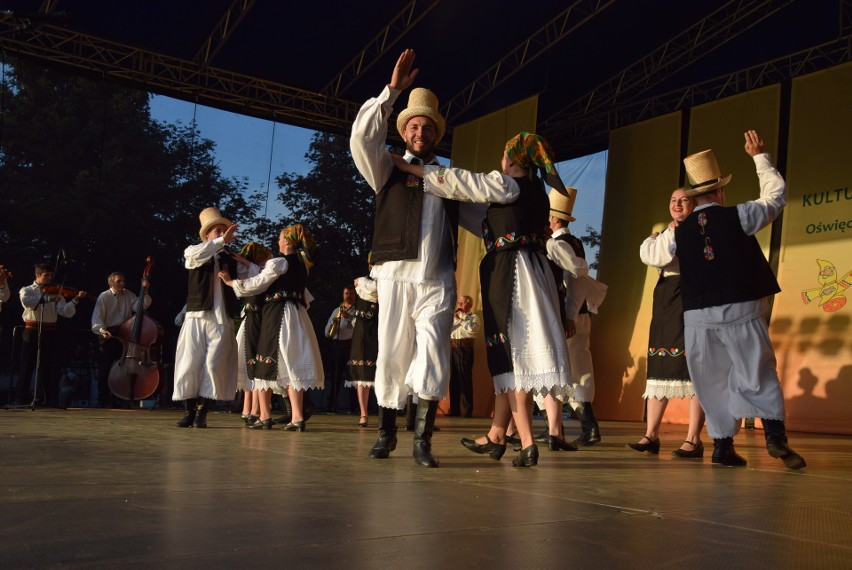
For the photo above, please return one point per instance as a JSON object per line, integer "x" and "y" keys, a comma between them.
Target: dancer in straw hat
{"x": 206, "y": 356}
{"x": 583, "y": 295}
{"x": 724, "y": 279}
{"x": 414, "y": 242}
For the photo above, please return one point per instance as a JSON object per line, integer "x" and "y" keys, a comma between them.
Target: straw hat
{"x": 562, "y": 206}
{"x": 422, "y": 103}
{"x": 210, "y": 217}
{"x": 703, "y": 173}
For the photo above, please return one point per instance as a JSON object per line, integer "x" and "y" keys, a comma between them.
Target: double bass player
{"x": 113, "y": 307}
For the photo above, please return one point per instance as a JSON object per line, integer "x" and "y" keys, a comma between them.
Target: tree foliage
{"x": 85, "y": 169}
{"x": 593, "y": 240}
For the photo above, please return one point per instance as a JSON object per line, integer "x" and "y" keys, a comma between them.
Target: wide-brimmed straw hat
{"x": 422, "y": 103}
{"x": 210, "y": 217}
{"x": 562, "y": 206}
{"x": 703, "y": 173}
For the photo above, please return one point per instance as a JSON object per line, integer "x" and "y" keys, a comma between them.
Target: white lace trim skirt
{"x": 539, "y": 352}
{"x": 670, "y": 389}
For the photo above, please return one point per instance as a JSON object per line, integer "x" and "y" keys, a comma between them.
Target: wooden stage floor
{"x": 128, "y": 489}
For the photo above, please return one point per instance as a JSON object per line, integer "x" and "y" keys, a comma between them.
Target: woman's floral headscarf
{"x": 303, "y": 241}
{"x": 531, "y": 151}
{"x": 256, "y": 253}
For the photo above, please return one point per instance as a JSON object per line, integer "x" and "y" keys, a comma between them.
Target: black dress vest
{"x": 719, "y": 263}
{"x": 291, "y": 285}
{"x": 200, "y": 286}
{"x": 399, "y": 207}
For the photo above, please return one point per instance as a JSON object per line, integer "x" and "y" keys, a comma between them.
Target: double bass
{"x": 136, "y": 375}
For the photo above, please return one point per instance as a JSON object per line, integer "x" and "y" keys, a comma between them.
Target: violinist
{"x": 113, "y": 307}
{"x": 54, "y": 304}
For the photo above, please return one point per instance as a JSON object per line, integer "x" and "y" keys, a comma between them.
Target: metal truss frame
{"x": 538, "y": 44}
{"x": 379, "y": 45}
{"x": 708, "y": 34}
{"x": 590, "y": 133}
{"x": 580, "y": 127}
{"x": 226, "y": 26}
{"x": 190, "y": 80}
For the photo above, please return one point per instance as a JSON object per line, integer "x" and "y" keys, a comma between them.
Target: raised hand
{"x": 403, "y": 76}
{"x": 230, "y": 234}
{"x": 753, "y": 143}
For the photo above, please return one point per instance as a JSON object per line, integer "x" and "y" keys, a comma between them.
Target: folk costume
{"x": 287, "y": 353}
{"x": 465, "y": 329}
{"x": 341, "y": 340}
{"x": 365, "y": 336}
{"x": 724, "y": 280}
{"x": 249, "y": 331}
{"x": 583, "y": 296}
{"x": 413, "y": 255}
{"x": 668, "y": 373}
{"x": 206, "y": 355}
{"x": 112, "y": 309}
{"x": 53, "y": 309}
{"x": 524, "y": 344}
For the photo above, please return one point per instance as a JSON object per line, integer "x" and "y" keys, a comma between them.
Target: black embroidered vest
{"x": 291, "y": 285}
{"x": 719, "y": 263}
{"x": 399, "y": 207}
{"x": 521, "y": 223}
{"x": 200, "y": 286}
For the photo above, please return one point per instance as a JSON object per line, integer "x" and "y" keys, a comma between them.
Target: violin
{"x": 136, "y": 375}
{"x": 67, "y": 292}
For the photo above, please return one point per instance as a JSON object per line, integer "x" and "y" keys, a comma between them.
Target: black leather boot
{"x": 188, "y": 414}
{"x": 724, "y": 454}
{"x": 590, "y": 434}
{"x": 387, "y": 434}
{"x": 776, "y": 444}
{"x": 410, "y": 413}
{"x": 204, "y": 405}
{"x": 424, "y": 425}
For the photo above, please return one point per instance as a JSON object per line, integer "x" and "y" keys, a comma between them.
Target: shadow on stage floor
{"x": 109, "y": 489}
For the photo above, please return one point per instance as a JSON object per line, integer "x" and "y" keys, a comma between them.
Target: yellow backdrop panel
{"x": 810, "y": 324}
{"x": 642, "y": 172}
{"x": 478, "y": 146}
{"x": 720, "y": 125}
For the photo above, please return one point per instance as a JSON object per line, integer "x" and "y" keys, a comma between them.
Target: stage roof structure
{"x": 595, "y": 65}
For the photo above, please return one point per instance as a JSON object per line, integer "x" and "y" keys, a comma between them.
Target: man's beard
{"x": 425, "y": 154}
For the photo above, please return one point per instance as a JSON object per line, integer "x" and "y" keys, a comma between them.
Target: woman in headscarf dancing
{"x": 525, "y": 340}
{"x": 287, "y": 359}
